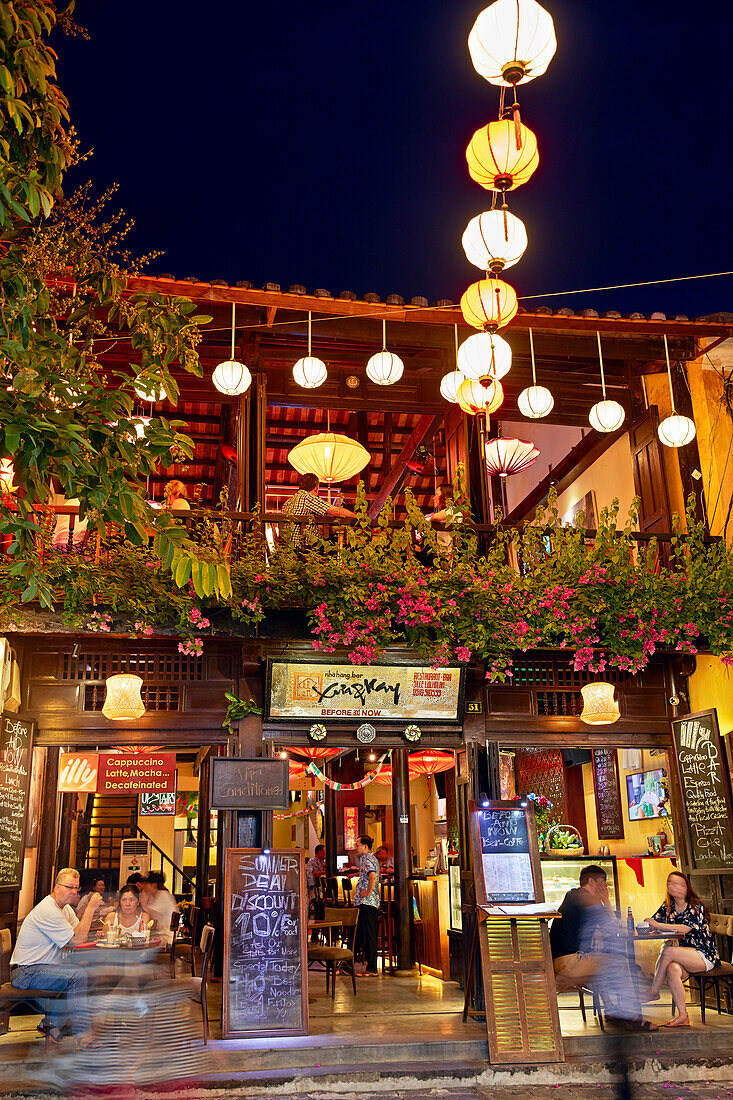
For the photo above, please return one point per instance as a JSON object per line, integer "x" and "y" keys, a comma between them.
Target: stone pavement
{"x": 666, "y": 1090}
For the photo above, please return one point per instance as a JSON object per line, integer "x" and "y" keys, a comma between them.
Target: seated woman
{"x": 128, "y": 915}
{"x": 694, "y": 953}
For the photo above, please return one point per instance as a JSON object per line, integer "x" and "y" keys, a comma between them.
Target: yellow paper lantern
{"x": 502, "y": 155}
{"x": 599, "y": 706}
{"x": 480, "y": 397}
{"x": 7, "y": 485}
{"x": 331, "y": 457}
{"x": 489, "y": 304}
{"x": 512, "y": 42}
{"x": 123, "y": 702}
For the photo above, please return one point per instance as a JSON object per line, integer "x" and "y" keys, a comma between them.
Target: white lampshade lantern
{"x": 494, "y": 240}
{"x": 449, "y": 385}
{"x": 385, "y": 368}
{"x": 331, "y": 457}
{"x": 484, "y": 355}
{"x": 512, "y": 42}
{"x": 310, "y": 372}
{"x": 607, "y": 416}
{"x": 535, "y": 402}
{"x": 676, "y": 431}
{"x": 599, "y": 706}
{"x": 152, "y": 393}
{"x": 141, "y": 423}
{"x": 509, "y": 456}
{"x": 123, "y": 701}
{"x": 232, "y": 378}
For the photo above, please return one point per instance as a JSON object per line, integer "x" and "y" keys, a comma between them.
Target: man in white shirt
{"x": 159, "y": 903}
{"x": 36, "y": 962}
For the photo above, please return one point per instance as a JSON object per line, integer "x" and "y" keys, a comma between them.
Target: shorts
{"x": 709, "y": 965}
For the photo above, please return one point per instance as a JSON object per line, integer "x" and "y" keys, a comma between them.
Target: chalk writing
{"x": 705, "y": 789}
{"x": 506, "y": 855}
{"x": 15, "y": 754}
{"x": 608, "y": 796}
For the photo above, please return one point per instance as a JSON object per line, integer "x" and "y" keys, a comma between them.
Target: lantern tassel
{"x": 517, "y": 126}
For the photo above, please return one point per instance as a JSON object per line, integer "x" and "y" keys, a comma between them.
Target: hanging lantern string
{"x": 234, "y": 315}
{"x": 600, "y": 360}
{"x": 531, "y": 355}
{"x": 455, "y": 332}
{"x": 309, "y": 331}
{"x": 334, "y": 786}
{"x": 384, "y": 334}
{"x": 299, "y": 813}
{"x": 669, "y": 374}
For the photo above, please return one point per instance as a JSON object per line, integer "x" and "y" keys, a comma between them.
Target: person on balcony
{"x": 175, "y": 497}
{"x": 37, "y": 961}
{"x": 306, "y": 502}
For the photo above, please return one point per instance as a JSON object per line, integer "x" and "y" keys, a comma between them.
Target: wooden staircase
{"x": 111, "y": 818}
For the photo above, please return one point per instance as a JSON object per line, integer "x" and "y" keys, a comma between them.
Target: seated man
{"x": 386, "y": 862}
{"x": 36, "y": 962}
{"x": 571, "y": 935}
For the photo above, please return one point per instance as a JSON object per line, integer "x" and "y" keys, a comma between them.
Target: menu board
{"x": 16, "y": 737}
{"x": 703, "y": 774}
{"x": 506, "y": 854}
{"x": 265, "y": 943}
{"x": 240, "y": 784}
{"x": 609, "y": 812}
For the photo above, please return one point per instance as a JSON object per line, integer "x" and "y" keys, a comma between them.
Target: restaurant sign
{"x": 306, "y": 690}
{"x": 115, "y": 773}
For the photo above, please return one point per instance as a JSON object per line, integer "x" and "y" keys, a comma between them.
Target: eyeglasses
{"x": 69, "y": 885}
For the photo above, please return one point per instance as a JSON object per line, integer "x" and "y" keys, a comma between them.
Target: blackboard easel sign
{"x": 704, "y": 780}
{"x": 607, "y": 787}
{"x": 265, "y": 943}
{"x": 16, "y": 746}
{"x": 510, "y": 870}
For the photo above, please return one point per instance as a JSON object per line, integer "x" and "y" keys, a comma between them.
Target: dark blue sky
{"x": 323, "y": 144}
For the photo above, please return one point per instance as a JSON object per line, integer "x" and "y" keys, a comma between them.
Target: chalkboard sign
{"x": 705, "y": 784}
{"x": 507, "y": 845}
{"x": 16, "y": 738}
{"x": 265, "y": 943}
{"x": 609, "y": 812}
{"x": 239, "y": 784}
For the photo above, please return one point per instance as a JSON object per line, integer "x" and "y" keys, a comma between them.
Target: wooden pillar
{"x": 402, "y": 857}
{"x": 68, "y": 810}
{"x": 203, "y": 836}
{"x": 329, "y": 824}
{"x": 47, "y": 830}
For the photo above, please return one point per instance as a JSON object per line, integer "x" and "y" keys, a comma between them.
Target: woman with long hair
{"x": 695, "y": 950}
{"x": 128, "y": 914}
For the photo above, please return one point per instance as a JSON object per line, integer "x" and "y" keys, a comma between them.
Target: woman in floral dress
{"x": 695, "y": 950}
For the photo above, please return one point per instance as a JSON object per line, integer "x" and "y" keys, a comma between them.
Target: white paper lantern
{"x": 509, "y": 456}
{"x": 484, "y": 355}
{"x": 512, "y": 42}
{"x": 232, "y": 378}
{"x": 676, "y": 431}
{"x": 607, "y": 416}
{"x": 449, "y": 385}
{"x": 494, "y": 240}
{"x": 385, "y": 368}
{"x": 535, "y": 402}
{"x": 151, "y": 393}
{"x": 309, "y": 372}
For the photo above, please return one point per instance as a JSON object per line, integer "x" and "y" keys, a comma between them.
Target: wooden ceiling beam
{"x": 425, "y": 429}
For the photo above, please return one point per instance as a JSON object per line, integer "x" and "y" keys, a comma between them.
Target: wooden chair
{"x": 597, "y": 1007}
{"x": 337, "y": 958}
{"x": 331, "y": 891}
{"x": 199, "y": 986}
{"x": 186, "y": 948}
{"x": 721, "y": 925}
{"x": 346, "y": 891}
{"x": 10, "y": 997}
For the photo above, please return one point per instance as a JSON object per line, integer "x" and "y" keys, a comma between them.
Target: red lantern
{"x": 314, "y": 752}
{"x": 430, "y": 761}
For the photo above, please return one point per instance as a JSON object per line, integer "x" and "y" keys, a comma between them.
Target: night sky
{"x": 323, "y": 144}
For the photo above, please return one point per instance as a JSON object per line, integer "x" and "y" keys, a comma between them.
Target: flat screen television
{"x": 646, "y": 793}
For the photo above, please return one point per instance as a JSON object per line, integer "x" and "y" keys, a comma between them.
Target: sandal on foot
{"x": 650, "y": 997}
{"x": 86, "y": 1042}
{"x": 678, "y": 1021}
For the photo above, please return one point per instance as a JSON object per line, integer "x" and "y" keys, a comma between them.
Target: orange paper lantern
{"x": 502, "y": 155}
{"x": 489, "y": 304}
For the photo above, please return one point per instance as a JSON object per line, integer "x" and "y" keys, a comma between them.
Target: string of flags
{"x": 370, "y": 776}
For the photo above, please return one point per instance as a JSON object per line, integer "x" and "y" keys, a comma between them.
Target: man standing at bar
{"x": 36, "y": 961}
{"x": 366, "y": 896}
{"x": 306, "y": 502}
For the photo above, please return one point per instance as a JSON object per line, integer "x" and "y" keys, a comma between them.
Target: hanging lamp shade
{"x": 331, "y": 457}
{"x": 7, "y": 485}
{"x": 676, "y": 430}
{"x": 430, "y": 761}
{"x": 480, "y": 397}
{"x": 384, "y": 776}
{"x": 232, "y": 378}
{"x": 512, "y": 42}
{"x": 484, "y": 355}
{"x": 123, "y": 701}
{"x": 502, "y": 156}
{"x": 509, "y": 456}
{"x": 599, "y": 706}
{"x": 489, "y": 304}
{"x": 310, "y": 372}
{"x": 494, "y": 240}
{"x": 385, "y": 368}
{"x": 152, "y": 393}
{"x": 607, "y": 416}
{"x": 315, "y": 752}
{"x": 535, "y": 402}
{"x": 450, "y": 384}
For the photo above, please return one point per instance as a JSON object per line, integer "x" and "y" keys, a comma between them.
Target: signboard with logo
{"x": 351, "y": 827}
{"x": 16, "y": 743}
{"x": 309, "y": 690}
{"x": 115, "y": 772}
{"x": 78, "y": 772}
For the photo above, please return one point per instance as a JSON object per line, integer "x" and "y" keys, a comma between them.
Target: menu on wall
{"x": 706, "y": 793}
{"x": 609, "y": 812}
{"x": 16, "y": 737}
{"x": 265, "y": 943}
{"x": 506, "y": 855}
